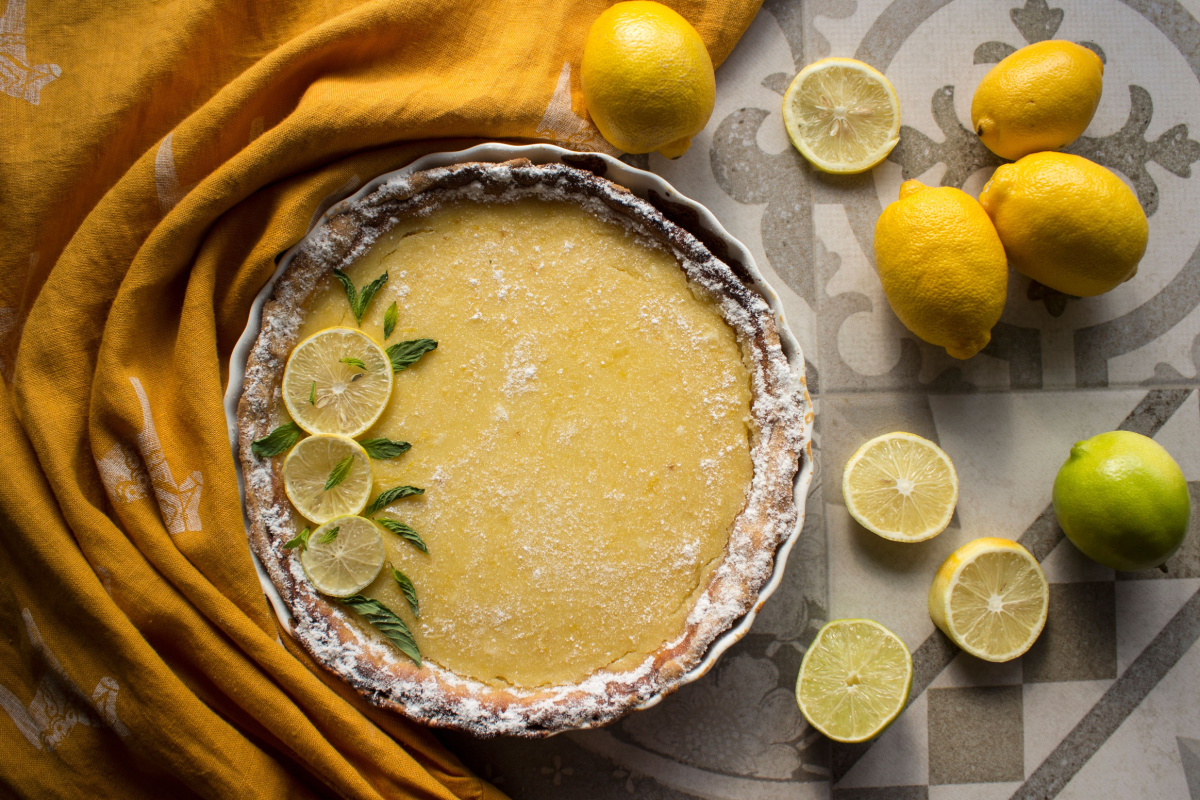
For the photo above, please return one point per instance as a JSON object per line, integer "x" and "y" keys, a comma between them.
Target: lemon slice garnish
{"x": 311, "y": 483}
{"x": 344, "y": 562}
{"x": 842, "y": 115}
{"x": 990, "y": 597}
{"x": 854, "y": 680}
{"x": 337, "y": 381}
{"x": 901, "y": 487}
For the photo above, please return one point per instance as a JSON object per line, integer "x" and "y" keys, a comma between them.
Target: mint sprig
{"x": 277, "y": 441}
{"x": 382, "y": 449}
{"x": 404, "y": 354}
{"x": 389, "y": 320}
{"x": 389, "y": 496}
{"x": 350, "y": 361}
{"x": 407, "y": 589}
{"x": 329, "y": 535}
{"x": 312, "y": 394}
{"x": 404, "y": 532}
{"x": 301, "y": 540}
{"x": 340, "y": 470}
{"x": 388, "y": 623}
{"x": 359, "y": 300}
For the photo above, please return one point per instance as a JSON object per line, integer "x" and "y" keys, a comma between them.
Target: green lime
{"x": 854, "y": 680}
{"x": 1122, "y": 500}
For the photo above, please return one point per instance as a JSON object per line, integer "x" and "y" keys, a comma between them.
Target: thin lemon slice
{"x": 990, "y": 597}
{"x": 319, "y": 481}
{"x": 854, "y": 680}
{"x": 343, "y": 556}
{"x": 842, "y": 115}
{"x": 337, "y": 381}
{"x": 901, "y": 487}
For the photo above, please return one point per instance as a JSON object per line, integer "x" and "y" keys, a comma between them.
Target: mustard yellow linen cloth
{"x": 155, "y": 158}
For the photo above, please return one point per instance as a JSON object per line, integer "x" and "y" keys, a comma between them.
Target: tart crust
{"x": 431, "y": 694}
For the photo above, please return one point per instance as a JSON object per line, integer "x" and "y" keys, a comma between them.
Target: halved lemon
{"x": 901, "y": 487}
{"x": 337, "y": 381}
{"x": 854, "y": 680}
{"x": 842, "y": 115}
{"x": 327, "y": 476}
{"x": 990, "y": 597}
{"x": 343, "y": 556}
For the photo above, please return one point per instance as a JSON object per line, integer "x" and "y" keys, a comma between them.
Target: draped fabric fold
{"x": 155, "y": 158}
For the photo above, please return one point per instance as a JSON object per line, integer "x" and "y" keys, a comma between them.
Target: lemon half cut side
{"x": 842, "y": 115}
{"x": 337, "y": 381}
{"x": 901, "y": 487}
{"x": 342, "y": 564}
{"x": 855, "y": 680}
{"x": 990, "y": 597}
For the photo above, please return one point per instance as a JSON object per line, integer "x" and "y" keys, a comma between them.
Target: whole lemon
{"x": 1041, "y": 97}
{"x": 1122, "y": 500}
{"x": 1067, "y": 223}
{"x": 942, "y": 267}
{"x": 647, "y": 78}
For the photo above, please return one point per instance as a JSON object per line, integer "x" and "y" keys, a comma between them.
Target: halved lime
{"x": 337, "y": 381}
{"x": 343, "y": 556}
{"x": 854, "y": 680}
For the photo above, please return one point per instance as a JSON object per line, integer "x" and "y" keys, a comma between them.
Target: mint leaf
{"x": 312, "y": 394}
{"x": 351, "y": 294}
{"x": 387, "y": 622}
{"x": 389, "y": 320}
{"x": 275, "y": 442}
{"x": 404, "y": 532}
{"x": 353, "y": 362}
{"x": 404, "y": 354}
{"x": 330, "y": 535}
{"x": 368, "y": 292}
{"x": 359, "y": 302}
{"x": 406, "y": 586}
{"x": 380, "y": 449}
{"x": 390, "y": 496}
{"x": 339, "y": 473}
{"x": 300, "y": 541}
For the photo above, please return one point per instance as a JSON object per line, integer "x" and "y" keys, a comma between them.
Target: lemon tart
{"x": 606, "y": 435}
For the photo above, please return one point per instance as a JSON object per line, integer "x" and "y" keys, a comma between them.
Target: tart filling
{"x": 607, "y": 435}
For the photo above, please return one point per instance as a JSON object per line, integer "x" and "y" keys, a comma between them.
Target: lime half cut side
{"x": 842, "y": 115}
{"x": 901, "y": 487}
{"x": 854, "y": 680}
{"x": 343, "y": 556}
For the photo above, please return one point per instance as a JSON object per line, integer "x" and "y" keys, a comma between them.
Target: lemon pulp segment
{"x": 854, "y": 680}
{"x": 582, "y": 433}
{"x": 842, "y": 115}
{"x": 901, "y": 486}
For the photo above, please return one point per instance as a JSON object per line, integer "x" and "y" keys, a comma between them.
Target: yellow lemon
{"x": 990, "y": 597}
{"x": 842, "y": 115}
{"x": 1041, "y": 97}
{"x": 647, "y": 78}
{"x": 1067, "y": 223}
{"x": 942, "y": 267}
{"x": 1123, "y": 500}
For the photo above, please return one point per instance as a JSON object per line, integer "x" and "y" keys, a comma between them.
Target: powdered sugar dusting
{"x": 433, "y": 694}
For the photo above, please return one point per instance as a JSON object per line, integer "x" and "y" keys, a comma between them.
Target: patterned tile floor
{"x": 1106, "y": 704}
